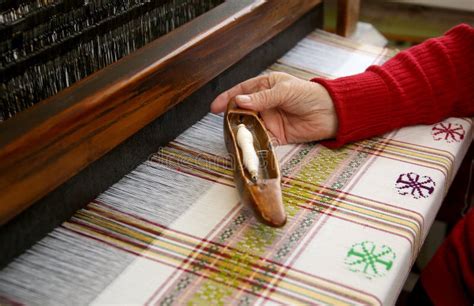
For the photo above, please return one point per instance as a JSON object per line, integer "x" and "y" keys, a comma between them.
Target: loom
{"x": 91, "y": 88}
{"x": 123, "y": 215}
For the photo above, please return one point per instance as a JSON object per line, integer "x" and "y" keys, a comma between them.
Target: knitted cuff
{"x": 361, "y": 105}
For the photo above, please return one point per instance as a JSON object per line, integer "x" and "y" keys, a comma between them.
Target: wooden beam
{"x": 47, "y": 144}
{"x": 347, "y": 16}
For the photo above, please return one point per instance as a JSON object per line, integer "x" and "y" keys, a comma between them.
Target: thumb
{"x": 259, "y": 101}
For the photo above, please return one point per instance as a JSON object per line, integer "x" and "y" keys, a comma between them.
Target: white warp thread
{"x": 66, "y": 268}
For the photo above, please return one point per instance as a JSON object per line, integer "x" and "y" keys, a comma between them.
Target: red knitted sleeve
{"x": 421, "y": 85}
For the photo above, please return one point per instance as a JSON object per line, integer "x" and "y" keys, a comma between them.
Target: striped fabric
{"x": 174, "y": 232}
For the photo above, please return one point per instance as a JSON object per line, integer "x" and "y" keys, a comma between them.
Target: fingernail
{"x": 243, "y": 99}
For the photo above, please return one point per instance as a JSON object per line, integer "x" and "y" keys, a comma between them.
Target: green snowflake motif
{"x": 369, "y": 259}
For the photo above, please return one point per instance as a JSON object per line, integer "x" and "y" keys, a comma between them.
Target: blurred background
{"x": 407, "y": 22}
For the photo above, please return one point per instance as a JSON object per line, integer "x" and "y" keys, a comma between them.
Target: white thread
{"x": 65, "y": 266}
{"x": 249, "y": 155}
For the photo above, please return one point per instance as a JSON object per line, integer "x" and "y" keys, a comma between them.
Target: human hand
{"x": 292, "y": 109}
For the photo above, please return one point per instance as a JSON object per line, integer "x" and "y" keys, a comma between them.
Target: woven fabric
{"x": 174, "y": 231}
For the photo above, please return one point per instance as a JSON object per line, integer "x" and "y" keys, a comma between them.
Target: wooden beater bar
{"x": 47, "y": 144}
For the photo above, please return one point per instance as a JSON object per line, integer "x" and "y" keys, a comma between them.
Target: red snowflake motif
{"x": 414, "y": 184}
{"x": 450, "y": 132}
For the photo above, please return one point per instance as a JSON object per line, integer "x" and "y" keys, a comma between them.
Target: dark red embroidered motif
{"x": 450, "y": 132}
{"x": 414, "y": 184}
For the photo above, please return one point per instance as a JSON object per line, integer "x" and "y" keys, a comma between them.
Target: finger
{"x": 274, "y": 125}
{"x": 260, "y": 101}
{"x": 251, "y": 85}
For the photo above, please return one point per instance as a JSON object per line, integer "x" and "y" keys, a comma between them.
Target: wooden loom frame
{"x": 63, "y": 134}
{"x": 58, "y": 137}
{"x": 60, "y": 154}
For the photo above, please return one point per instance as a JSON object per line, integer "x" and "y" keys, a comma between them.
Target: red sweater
{"x": 422, "y": 85}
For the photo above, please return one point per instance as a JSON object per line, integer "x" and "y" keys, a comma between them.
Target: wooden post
{"x": 347, "y": 16}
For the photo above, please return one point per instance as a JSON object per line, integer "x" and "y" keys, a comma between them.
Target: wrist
{"x": 330, "y": 113}
{"x": 360, "y": 103}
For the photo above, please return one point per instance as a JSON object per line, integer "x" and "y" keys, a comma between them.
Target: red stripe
{"x": 257, "y": 257}
{"x": 322, "y": 193}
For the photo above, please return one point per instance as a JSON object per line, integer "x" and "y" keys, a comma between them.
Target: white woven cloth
{"x": 173, "y": 231}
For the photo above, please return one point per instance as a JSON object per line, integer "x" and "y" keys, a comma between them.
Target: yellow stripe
{"x": 441, "y": 163}
{"x": 430, "y": 150}
{"x": 413, "y": 236}
{"x": 195, "y": 170}
{"x": 362, "y": 201}
{"x": 220, "y": 264}
{"x": 379, "y": 215}
{"x": 408, "y": 153}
